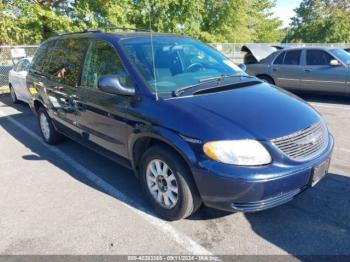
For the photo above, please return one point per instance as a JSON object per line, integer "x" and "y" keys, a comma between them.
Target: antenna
{"x": 153, "y": 56}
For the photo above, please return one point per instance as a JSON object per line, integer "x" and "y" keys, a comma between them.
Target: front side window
{"x": 66, "y": 60}
{"x": 178, "y": 62}
{"x": 17, "y": 66}
{"x": 102, "y": 60}
{"x": 24, "y": 66}
{"x": 292, "y": 57}
{"x": 318, "y": 58}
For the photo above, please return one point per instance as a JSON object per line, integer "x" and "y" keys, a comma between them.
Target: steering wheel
{"x": 194, "y": 67}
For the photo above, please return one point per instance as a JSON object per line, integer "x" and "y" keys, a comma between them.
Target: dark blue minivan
{"x": 193, "y": 126}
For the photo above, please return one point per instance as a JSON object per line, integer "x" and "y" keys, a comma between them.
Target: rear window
{"x": 292, "y": 57}
{"x": 66, "y": 61}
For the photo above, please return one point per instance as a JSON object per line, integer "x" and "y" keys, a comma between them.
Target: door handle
{"x": 76, "y": 102}
{"x": 79, "y": 106}
{"x": 274, "y": 69}
{"x": 307, "y": 70}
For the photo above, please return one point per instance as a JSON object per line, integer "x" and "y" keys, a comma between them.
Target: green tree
{"x": 321, "y": 21}
{"x": 241, "y": 21}
{"x": 32, "y": 21}
{"x": 102, "y": 13}
{"x": 29, "y": 22}
{"x": 173, "y": 16}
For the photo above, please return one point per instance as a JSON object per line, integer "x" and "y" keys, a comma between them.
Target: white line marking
{"x": 342, "y": 149}
{"x": 183, "y": 240}
{"x": 329, "y": 106}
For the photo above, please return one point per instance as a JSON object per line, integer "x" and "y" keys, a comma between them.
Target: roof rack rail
{"x": 100, "y": 30}
{"x": 117, "y": 28}
{"x": 80, "y": 32}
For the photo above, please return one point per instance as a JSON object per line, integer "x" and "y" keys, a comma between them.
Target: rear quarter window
{"x": 42, "y": 57}
{"x": 39, "y": 57}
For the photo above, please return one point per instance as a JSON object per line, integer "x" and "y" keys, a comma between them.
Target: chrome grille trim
{"x": 304, "y": 144}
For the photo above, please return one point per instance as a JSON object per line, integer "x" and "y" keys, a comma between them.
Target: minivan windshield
{"x": 179, "y": 62}
{"x": 342, "y": 55}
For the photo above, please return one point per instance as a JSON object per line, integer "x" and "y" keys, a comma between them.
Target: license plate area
{"x": 318, "y": 172}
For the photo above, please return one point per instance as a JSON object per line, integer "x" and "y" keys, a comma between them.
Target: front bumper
{"x": 249, "y": 189}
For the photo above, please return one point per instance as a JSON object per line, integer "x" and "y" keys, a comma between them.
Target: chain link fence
{"x": 9, "y": 55}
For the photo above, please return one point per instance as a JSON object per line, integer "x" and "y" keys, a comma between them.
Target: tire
{"x": 48, "y": 131}
{"x": 187, "y": 197}
{"x": 13, "y": 95}
{"x": 267, "y": 79}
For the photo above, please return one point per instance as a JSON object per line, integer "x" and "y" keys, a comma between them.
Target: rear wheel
{"x": 48, "y": 131}
{"x": 267, "y": 79}
{"x": 168, "y": 183}
{"x": 13, "y": 95}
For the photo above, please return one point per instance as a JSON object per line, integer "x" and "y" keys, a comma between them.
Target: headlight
{"x": 238, "y": 152}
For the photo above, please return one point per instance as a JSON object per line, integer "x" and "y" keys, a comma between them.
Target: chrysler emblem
{"x": 309, "y": 140}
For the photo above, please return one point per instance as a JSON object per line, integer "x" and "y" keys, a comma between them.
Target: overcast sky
{"x": 284, "y": 10}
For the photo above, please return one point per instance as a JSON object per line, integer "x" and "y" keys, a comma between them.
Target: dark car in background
{"x": 192, "y": 125}
{"x": 312, "y": 69}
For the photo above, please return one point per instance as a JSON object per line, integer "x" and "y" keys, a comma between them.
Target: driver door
{"x": 319, "y": 75}
{"x": 100, "y": 115}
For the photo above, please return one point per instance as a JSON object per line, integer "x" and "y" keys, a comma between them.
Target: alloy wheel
{"x": 162, "y": 183}
{"x": 44, "y": 126}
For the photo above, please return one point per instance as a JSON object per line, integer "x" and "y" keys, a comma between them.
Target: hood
{"x": 258, "y": 51}
{"x": 261, "y": 111}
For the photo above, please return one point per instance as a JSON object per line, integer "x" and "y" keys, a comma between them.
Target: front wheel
{"x": 48, "y": 131}
{"x": 168, "y": 183}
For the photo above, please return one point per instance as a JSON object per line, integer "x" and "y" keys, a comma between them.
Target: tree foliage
{"x": 32, "y": 21}
{"x": 321, "y": 21}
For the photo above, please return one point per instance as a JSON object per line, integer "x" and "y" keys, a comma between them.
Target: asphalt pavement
{"x": 67, "y": 199}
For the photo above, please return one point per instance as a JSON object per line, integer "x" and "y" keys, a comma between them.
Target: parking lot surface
{"x": 67, "y": 199}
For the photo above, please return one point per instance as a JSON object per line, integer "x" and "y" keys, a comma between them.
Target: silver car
{"x": 17, "y": 81}
{"x": 305, "y": 69}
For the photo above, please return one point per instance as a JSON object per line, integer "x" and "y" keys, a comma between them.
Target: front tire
{"x": 13, "y": 95}
{"x": 168, "y": 183}
{"x": 48, "y": 131}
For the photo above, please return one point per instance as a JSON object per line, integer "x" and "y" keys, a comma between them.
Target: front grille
{"x": 304, "y": 144}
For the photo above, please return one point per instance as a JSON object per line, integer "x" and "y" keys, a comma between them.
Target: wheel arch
{"x": 267, "y": 76}
{"x": 37, "y": 103}
{"x": 139, "y": 143}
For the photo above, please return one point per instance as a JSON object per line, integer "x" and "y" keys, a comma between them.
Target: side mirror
{"x": 243, "y": 67}
{"x": 110, "y": 84}
{"x": 334, "y": 62}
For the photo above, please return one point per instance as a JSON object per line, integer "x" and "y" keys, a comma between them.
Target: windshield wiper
{"x": 218, "y": 79}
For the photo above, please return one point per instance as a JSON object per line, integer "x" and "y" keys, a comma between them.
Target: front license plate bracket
{"x": 318, "y": 172}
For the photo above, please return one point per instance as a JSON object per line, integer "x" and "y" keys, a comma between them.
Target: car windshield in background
{"x": 179, "y": 62}
{"x": 342, "y": 55}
